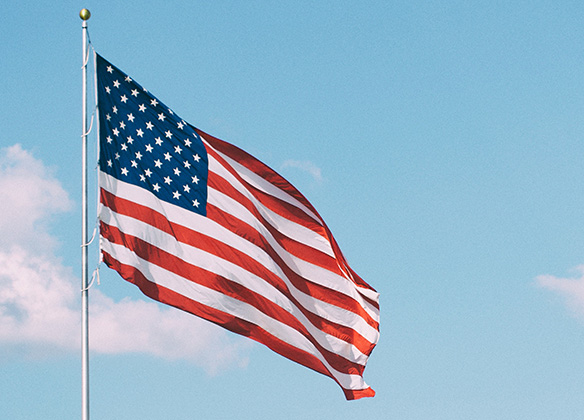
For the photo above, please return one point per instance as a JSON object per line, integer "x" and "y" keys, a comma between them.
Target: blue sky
{"x": 441, "y": 141}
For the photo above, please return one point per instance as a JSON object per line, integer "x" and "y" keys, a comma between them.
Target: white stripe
{"x": 212, "y": 229}
{"x": 303, "y": 268}
{"x": 237, "y": 274}
{"x": 285, "y": 226}
{"x": 261, "y": 184}
{"x": 192, "y": 220}
{"x": 371, "y": 294}
{"x": 271, "y": 217}
{"x": 219, "y": 301}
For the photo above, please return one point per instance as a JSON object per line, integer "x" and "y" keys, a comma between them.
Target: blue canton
{"x": 144, "y": 143}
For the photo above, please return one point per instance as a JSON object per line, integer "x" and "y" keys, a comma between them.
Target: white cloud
{"x": 571, "y": 289}
{"x": 30, "y": 196}
{"x": 40, "y": 298}
{"x": 37, "y": 302}
{"x": 305, "y": 166}
{"x": 132, "y": 326}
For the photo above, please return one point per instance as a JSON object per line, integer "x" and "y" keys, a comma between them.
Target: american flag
{"x": 201, "y": 225}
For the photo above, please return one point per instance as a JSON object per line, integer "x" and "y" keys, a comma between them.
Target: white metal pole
{"x": 84, "y": 15}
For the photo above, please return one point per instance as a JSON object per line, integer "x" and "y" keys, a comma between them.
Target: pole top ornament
{"x": 84, "y": 14}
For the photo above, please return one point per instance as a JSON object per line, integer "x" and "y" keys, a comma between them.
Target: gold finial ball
{"x": 84, "y": 14}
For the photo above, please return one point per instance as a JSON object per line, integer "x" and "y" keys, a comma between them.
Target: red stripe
{"x": 257, "y": 167}
{"x": 341, "y": 258}
{"x": 352, "y": 394}
{"x": 213, "y": 281}
{"x": 271, "y": 202}
{"x": 316, "y": 290}
{"x": 226, "y": 320}
{"x": 294, "y": 247}
{"x": 220, "y": 249}
{"x": 278, "y": 206}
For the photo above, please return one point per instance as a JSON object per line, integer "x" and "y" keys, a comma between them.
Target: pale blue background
{"x": 449, "y": 136}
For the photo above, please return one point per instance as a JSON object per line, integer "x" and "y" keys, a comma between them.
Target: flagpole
{"x": 84, "y": 14}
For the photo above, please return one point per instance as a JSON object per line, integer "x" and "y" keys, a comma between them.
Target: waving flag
{"x": 199, "y": 224}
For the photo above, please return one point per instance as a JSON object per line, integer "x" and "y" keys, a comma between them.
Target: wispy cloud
{"x": 305, "y": 166}
{"x": 40, "y": 298}
{"x": 571, "y": 289}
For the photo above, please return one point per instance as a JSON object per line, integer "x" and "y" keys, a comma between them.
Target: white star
{"x": 124, "y": 171}
{"x": 176, "y": 171}
{"x": 148, "y": 172}
{"x": 187, "y": 164}
{"x": 131, "y": 117}
{"x": 167, "y": 180}
{"x": 142, "y": 107}
{"x": 170, "y": 111}
{"x": 158, "y": 141}
{"x": 115, "y": 109}
{"x": 149, "y": 125}
{"x": 158, "y": 163}
{"x": 109, "y": 163}
{"x": 108, "y": 90}
{"x": 180, "y": 125}
{"x": 122, "y": 125}
{"x": 138, "y": 155}
{"x": 134, "y": 92}
{"x": 176, "y": 195}
{"x": 117, "y": 155}
{"x": 134, "y": 164}
{"x": 149, "y": 148}
{"x": 187, "y": 188}
{"x": 167, "y": 156}
{"x": 188, "y": 143}
{"x": 196, "y": 203}
{"x": 124, "y": 98}
{"x": 168, "y": 134}
{"x": 124, "y": 147}
{"x": 128, "y": 79}
{"x": 110, "y": 69}
{"x": 139, "y": 132}
{"x": 130, "y": 139}
{"x": 161, "y": 116}
{"x": 153, "y": 102}
{"x": 196, "y": 157}
{"x": 116, "y": 84}
{"x": 195, "y": 179}
{"x": 109, "y": 139}
{"x": 142, "y": 178}
{"x": 116, "y": 132}
{"x": 156, "y": 187}
{"x": 108, "y": 117}
{"x": 177, "y": 149}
